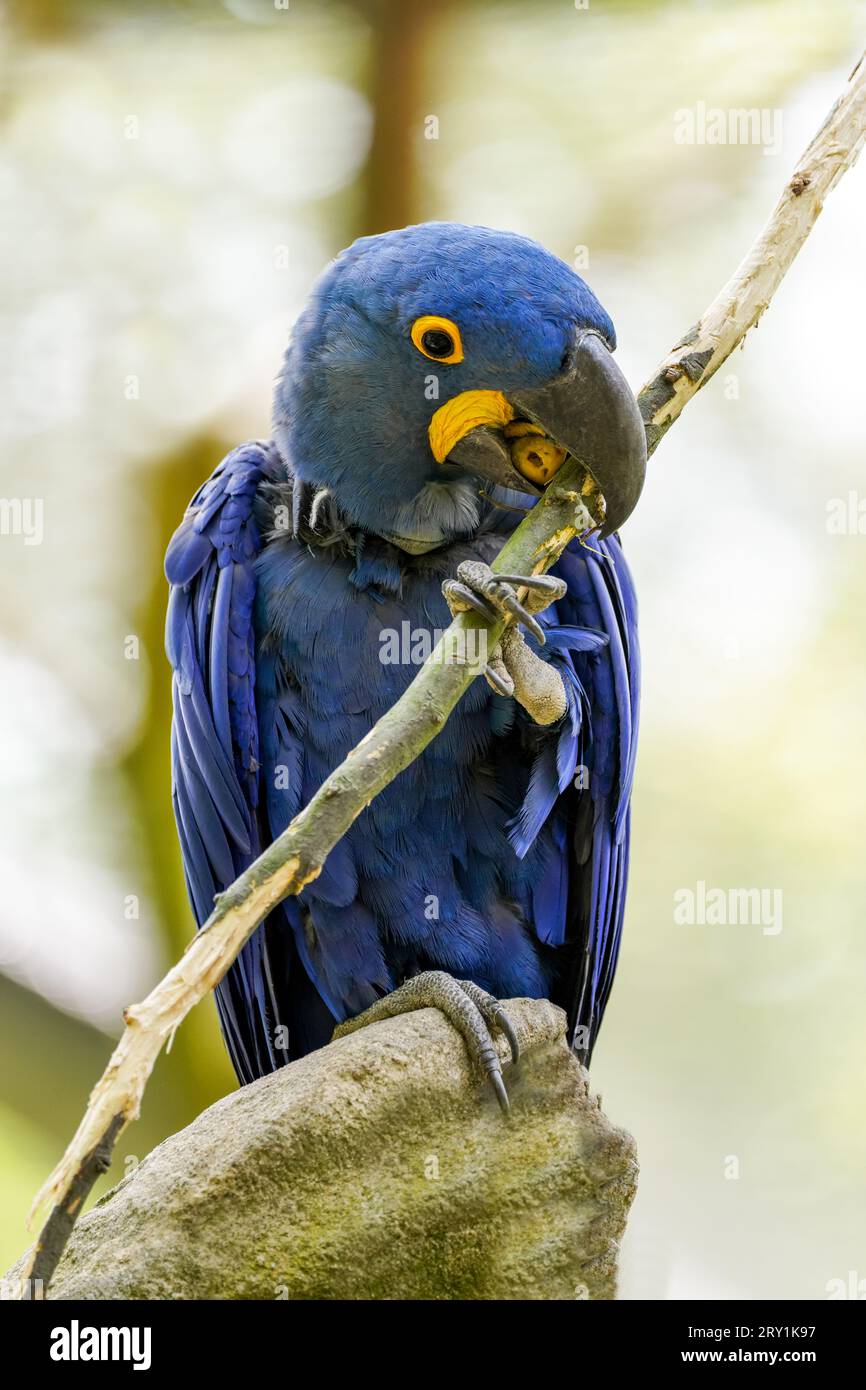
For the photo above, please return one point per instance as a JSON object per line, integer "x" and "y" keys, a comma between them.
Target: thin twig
{"x": 296, "y": 857}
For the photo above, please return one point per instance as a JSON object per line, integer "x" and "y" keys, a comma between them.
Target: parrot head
{"x": 438, "y": 360}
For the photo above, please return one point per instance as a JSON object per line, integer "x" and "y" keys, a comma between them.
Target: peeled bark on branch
{"x": 297, "y": 856}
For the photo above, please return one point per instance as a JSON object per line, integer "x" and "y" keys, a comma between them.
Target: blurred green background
{"x": 174, "y": 178}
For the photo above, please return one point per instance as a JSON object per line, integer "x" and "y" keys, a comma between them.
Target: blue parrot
{"x": 433, "y": 384}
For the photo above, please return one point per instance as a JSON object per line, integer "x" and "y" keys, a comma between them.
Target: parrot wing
{"x": 580, "y": 788}
{"x": 210, "y": 643}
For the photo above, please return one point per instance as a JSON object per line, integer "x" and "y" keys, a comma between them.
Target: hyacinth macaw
{"x": 433, "y": 383}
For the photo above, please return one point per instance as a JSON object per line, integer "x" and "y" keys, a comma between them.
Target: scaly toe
{"x": 435, "y": 989}
{"x": 496, "y": 674}
{"x": 496, "y": 591}
{"x": 460, "y": 599}
{"x": 543, "y": 589}
{"x": 494, "y": 1013}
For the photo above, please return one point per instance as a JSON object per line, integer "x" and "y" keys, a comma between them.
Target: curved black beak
{"x": 590, "y": 411}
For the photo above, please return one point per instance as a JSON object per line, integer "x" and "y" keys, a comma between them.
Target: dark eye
{"x": 438, "y": 338}
{"x": 437, "y": 343}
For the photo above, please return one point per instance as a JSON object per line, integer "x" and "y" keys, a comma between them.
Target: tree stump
{"x": 378, "y": 1167}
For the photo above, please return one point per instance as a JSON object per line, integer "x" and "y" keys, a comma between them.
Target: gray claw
{"x": 496, "y": 680}
{"x": 501, "y": 1019}
{"x": 463, "y": 1003}
{"x": 492, "y": 594}
{"x": 493, "y": 1012}
{"x": 501, "y": 1094}
{"x": 454, "y": 592}
{"x": 517, "y": 610}
{"x": 544, "y": 583}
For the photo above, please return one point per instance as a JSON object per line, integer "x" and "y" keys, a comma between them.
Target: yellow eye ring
{"x": 429, "y": 334}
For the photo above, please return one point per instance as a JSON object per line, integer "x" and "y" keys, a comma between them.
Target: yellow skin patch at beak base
{"x": 465, "y": 413}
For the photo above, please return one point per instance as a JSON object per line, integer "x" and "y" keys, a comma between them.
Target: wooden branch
{"x": 58, "y": 1228}
{"x": 296, "y": 857}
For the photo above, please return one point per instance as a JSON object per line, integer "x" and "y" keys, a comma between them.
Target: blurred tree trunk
{"x": 401, "y": 34}
{"x": 43, "y": 20}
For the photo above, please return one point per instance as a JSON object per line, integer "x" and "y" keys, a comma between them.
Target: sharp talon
{"x": 501, "y": 1094}
{"x": 496, "y": 680}
{"x": 544, "y": 583}
{"x": 502, "y": 1020}
{"x": 455, "y": 592}
{"x": 536, "y": 629}
{"x": 525, "y": 617}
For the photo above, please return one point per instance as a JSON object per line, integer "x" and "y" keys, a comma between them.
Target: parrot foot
{"x": 470, "y": 1009}
{"x": 513, "y": 668}
{"x": 493, "y": 595}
